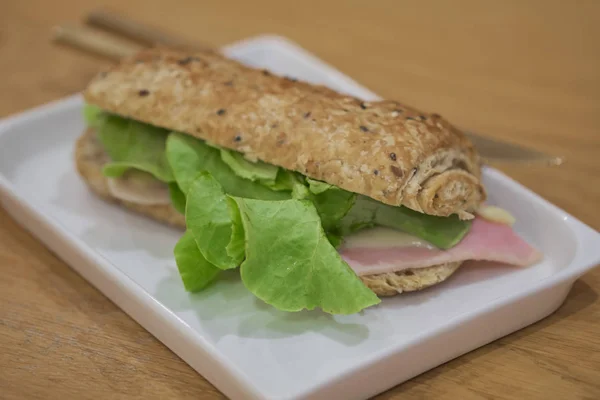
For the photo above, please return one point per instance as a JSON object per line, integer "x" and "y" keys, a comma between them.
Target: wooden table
{"x": 528, "y": 71}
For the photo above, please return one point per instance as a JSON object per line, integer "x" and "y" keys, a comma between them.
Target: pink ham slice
{"x": 485, "y": 241}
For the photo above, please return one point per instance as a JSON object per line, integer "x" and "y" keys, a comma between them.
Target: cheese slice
{"x": 496, "y": 214}
{"x": 379, "y": 237}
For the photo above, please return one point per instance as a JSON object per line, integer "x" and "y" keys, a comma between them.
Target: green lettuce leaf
{"x": 115, "y": 170}
{"x": 335, "y": 239}
{"x": 188, "y": 156}
{"x": 318, "y": 187}
{"x": 196, "y": 273}
{"x": 210, "y": 218}
{"x": 332, "y": 205}
{"x": 300, "y": 192}
{"x": 131, "y": 144}
{"x": 93, "y": 116}
{"x": 237, "y": 244}
{"x": 291, "y": 265}
{"x": 177, "y": 197}
{"x": 443, "y": 232}
{"x": 228, "y": 229}
{"x": 331, "y": 202}
{"x": 254, "y": 171}
{"x": 271, "y": 176}
{"x": 286, "y": 180}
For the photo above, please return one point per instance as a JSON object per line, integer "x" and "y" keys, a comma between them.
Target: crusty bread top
{"x": 386, "y": 150}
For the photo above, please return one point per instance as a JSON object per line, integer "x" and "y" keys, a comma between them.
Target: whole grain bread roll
{"x": 90, "y": 157}
{"x": 388, "y": 151}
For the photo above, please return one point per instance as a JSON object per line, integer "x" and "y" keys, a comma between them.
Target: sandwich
{"x": 317, "y": 198}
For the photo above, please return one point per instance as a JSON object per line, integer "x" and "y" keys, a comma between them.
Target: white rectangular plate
{"x": 245, "y": 348}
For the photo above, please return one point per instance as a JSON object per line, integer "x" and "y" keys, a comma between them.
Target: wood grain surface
{"x": 528, "y": 71}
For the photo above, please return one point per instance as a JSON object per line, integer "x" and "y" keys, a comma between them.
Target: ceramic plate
{"x": 245, "y": 348}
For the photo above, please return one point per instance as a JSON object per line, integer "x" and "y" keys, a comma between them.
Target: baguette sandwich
{"x": 319, "y": 199}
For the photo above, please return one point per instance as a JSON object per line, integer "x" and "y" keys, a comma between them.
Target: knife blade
{"x": 499, "y": 151}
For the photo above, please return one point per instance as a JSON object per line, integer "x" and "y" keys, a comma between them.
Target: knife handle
{"x": 94, "y": 42}
{"x": 136, "y": 31}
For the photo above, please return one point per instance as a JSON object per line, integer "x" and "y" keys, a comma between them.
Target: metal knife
{"x": 499, "y": 151}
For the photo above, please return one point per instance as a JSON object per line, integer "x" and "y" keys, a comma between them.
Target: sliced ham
{"x": 486, "y": 240}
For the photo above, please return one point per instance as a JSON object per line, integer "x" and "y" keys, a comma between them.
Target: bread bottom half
{"x": 90, "y": 157}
